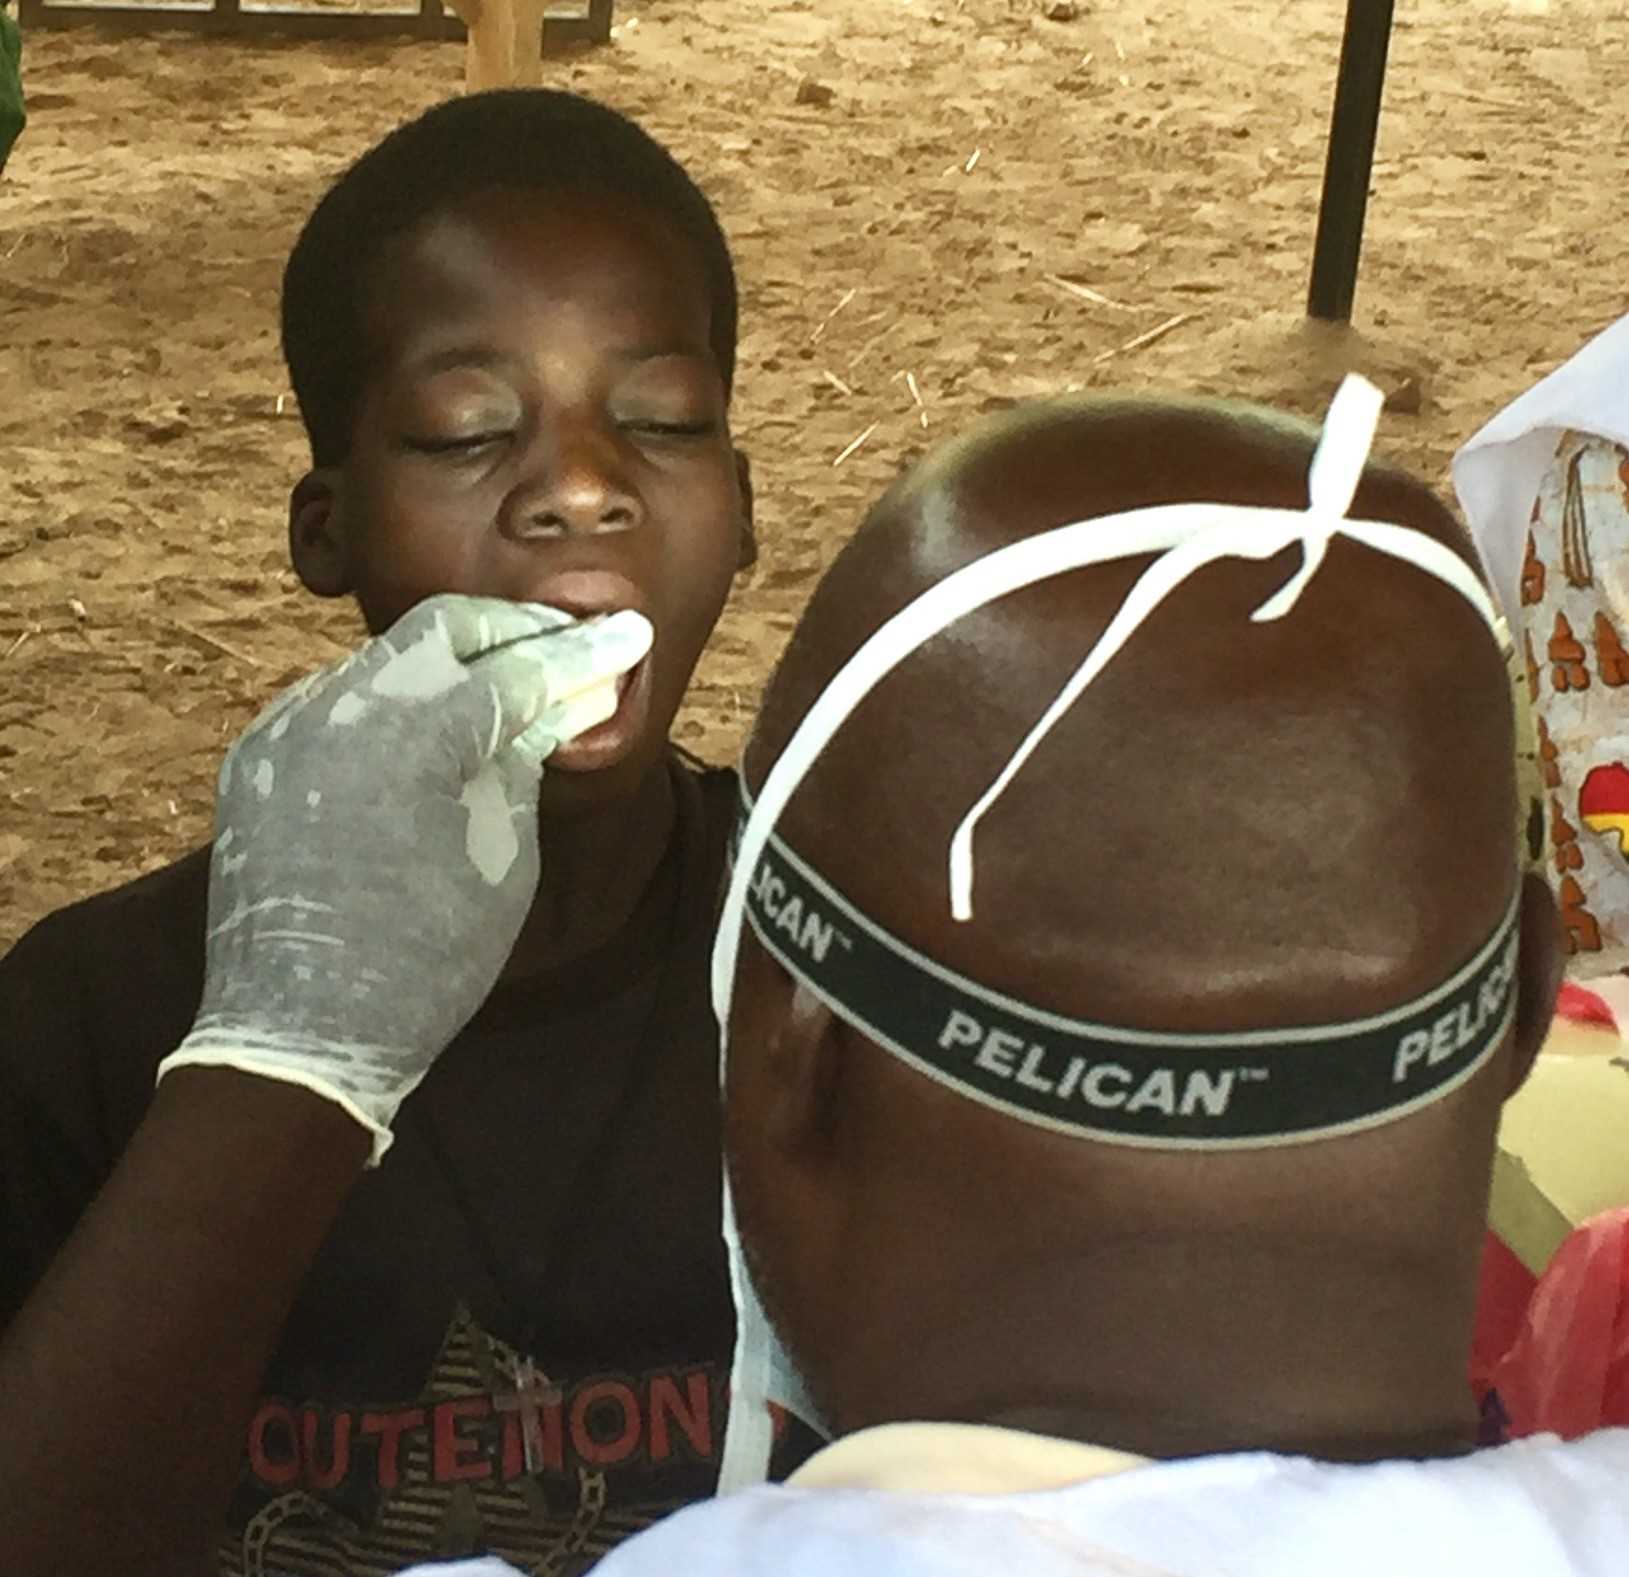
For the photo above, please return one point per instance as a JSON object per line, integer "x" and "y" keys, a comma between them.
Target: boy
{"x": 511, "y": 329}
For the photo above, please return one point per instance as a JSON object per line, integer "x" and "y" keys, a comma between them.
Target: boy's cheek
{"x": 392, "y": 582}
{"x": 699, "y": 577}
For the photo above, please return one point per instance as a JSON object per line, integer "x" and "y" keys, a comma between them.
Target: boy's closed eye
{"x": 465, "y": 412}
{"x": 459, "y": 413}
{"x": 669, "y": 427}
{"x": 669, "y": 397}
{"x": 475, "y": 442}
{"x": 469, "y": 443}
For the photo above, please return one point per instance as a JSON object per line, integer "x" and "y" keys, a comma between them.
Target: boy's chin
{"x": 577, "y": 792}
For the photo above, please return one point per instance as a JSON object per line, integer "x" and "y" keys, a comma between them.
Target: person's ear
{"x": 784, "y": 1060}
{"x": 1539, "y": 967}
{"x": 748, "y": 551}
{"x": 319, "y": 543}
{"x": 803, "y": 1115}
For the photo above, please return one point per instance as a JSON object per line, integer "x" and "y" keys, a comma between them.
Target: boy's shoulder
{"x": 719, "y": 789}
{"x": 91, "y": 999}
{"x": 94, "y": 995}
{"x": 157, "y": 920}
{"x": 160, "y": 913}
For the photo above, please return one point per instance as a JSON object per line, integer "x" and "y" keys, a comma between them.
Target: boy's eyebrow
{"x": 480, "y": 357}
{"x": 638, "y": 353}
{"x": 451, "y": 357}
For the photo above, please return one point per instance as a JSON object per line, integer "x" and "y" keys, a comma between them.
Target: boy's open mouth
{"x": 585, "y": 593}
{"x": 607, "y": 743}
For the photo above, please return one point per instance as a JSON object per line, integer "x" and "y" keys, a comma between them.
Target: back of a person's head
{"x": 1240, "y": 827}
{"x": 536, "y": 143}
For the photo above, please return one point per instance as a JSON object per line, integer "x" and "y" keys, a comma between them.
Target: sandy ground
{"x": 1164, "y": 155}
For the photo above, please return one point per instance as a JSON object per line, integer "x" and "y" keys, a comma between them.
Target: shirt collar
{"x": 957, "y": 1459}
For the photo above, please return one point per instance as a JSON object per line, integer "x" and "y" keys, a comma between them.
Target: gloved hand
{"x": 376, "y": 844}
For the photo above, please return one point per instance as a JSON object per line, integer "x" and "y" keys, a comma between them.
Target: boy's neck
{"x": 596, "y": 869}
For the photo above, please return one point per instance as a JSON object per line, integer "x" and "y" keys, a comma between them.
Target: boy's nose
{"x": 577, "y": 489}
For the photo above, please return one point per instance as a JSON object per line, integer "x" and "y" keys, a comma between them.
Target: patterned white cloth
{"x": 1497, "y": 473}
{"x": 1545, "y": 486}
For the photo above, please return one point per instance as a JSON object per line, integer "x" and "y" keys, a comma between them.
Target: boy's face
{"x": 542, "y": 419}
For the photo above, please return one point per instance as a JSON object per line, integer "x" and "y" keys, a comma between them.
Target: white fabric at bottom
{"x": 1538, "y": 1507}
{"x": 487, "y": 1566}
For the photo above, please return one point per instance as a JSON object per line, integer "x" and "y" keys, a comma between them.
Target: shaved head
{"x": 1237, "y": 827}
{"x": 1263, "y": 814}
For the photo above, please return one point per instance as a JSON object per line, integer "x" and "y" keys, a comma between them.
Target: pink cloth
{"x": 1579, "y": 1005}
{"x": 1567, "y": 1371}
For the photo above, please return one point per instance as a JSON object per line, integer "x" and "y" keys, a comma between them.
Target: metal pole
{"x": 1352, "y": 129}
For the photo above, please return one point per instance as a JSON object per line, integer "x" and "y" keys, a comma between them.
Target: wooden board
{"x": 561, "y": 28}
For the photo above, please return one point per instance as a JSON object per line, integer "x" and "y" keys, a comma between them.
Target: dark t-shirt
{"x": 552, "y": 1196}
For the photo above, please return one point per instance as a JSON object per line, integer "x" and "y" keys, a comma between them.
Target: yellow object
{"x": 1564, "y": 1143}
{"x": 1612, "y": 822}
{"x": 957, "y": 1459}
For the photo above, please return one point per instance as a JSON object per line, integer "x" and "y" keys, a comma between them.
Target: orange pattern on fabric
{"x": 1549, "y": 765}
{"x": 1583, "y": 934}
{"x": 1577, "y": 562}
{"x": 1564, "y": 836}
{"x": 1566, "y": 654}
{"x": 1532, "y": 575}
{"x": 1611, "y": 661}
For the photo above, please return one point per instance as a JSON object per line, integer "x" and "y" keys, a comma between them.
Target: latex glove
{"x": 376, "y": 844}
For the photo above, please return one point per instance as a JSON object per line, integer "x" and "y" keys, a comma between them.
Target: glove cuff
{"x": 210, "y": 1052}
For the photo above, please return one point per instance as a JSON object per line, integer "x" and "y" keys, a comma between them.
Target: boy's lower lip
{"x": 607, "y": 743}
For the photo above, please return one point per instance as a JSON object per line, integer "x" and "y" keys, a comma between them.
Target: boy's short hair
{"x": 528, "y": 138}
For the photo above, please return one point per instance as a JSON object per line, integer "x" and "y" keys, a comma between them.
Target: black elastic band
{"x": 1252, "y": 1087}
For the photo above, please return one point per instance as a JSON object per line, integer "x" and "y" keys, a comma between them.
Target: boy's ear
{"x": 749, "y": 530}
{"x": 1538, "y": 975}
{"x": 318, "y": 543}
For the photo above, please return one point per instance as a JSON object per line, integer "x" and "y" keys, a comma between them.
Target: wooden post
{"x": 505, "y": 43}
{"x": 1350, "y": 162}
{"x": 509, "y": 38}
